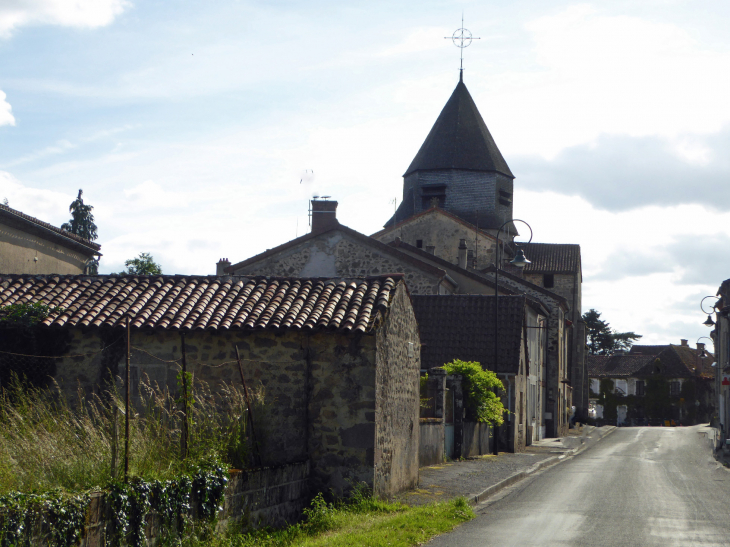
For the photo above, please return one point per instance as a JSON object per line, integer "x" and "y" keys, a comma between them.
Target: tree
{"x": 479, "y": 386}
{"x": 602, "y": 339}
{"x": 82, "y": 220}
{"x": 144, "y": 264}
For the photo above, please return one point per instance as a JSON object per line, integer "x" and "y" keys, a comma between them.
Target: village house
{"x": 463, "y": 326}
{"x": 721, "y": 338}
{"x": 653, "y": 384}
{"x": 31, "y": 246}
{"x": 339, "y": 359}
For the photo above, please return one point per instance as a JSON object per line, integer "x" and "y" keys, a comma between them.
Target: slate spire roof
{"x": 459, "y": 140}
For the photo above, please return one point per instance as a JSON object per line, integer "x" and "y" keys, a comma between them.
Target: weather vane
{"x": 462, "y": 38}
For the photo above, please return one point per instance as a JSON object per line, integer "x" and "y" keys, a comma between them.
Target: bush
{"x": 479, "y": 386}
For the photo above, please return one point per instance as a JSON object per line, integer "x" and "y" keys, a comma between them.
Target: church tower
{"x": 459, "y": 168}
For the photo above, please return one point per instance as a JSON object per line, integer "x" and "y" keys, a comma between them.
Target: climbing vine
{"x": 58, "y": 517}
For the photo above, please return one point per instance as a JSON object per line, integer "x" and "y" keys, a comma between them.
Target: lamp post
{"x": 520, "y": 261}
{"x": 709, "y": 322}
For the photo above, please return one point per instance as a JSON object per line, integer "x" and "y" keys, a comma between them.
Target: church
{"x": 456, "y": 213}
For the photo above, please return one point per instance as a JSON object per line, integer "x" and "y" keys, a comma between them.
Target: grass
{"x": 48, "y": 442}
{"x": 362, "y": 521}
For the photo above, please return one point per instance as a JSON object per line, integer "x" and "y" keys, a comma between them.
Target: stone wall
{"x": 337, "y": 254}
{"x": 443, "y": 233}
{"x": 478, "y": 439}
{"x": 270, "y": 496}
{"x": 431, "y": 441}
{"x": 322, "y": 391}
{"x": 20, "y": 249}
{"x": 397, "y": 398}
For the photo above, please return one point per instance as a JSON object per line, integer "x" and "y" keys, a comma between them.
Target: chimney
{"x": 684, "y": 342}
{"x": 700, "y": 346}
{"x": 324, "y": 215}
{"x": 462, "y": 253}
{"x": 220, "y": 268}
{"x": 431, "y": 249}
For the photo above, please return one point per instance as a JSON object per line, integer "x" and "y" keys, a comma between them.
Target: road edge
{"x": 509, "y": 481}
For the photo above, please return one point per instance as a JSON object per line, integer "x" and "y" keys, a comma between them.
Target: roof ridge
{"x": 48, "y": 226}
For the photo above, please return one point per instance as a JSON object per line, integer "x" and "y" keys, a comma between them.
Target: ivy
{"x": 58, "y": 517}
{"x": 61, "y": 518}
{"x": 175, "y": 501}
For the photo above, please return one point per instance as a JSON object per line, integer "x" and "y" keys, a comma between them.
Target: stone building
{"x": 457, "y": 192}
{"x": 721, "y": 338}
{"x": 339, "y": 359}
{"x": 654, "y": 384}
{"x": 31, "y": 246}
{"x": 462, "y": 327}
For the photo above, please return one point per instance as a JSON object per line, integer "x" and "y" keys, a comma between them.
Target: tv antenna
{"x": 462, "y": 38}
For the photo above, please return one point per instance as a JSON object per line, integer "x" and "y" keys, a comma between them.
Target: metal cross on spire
{"x": 462, "y": 38}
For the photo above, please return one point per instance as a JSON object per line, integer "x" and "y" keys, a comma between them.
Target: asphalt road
{"x": 638, "y": 486}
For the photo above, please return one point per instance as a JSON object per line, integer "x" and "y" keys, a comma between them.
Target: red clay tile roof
{"x": 673, "y": 362}
{"x": 460, "y": 326}
{"x": 552, "y": 257}
{"x": 32, "y": 223}
{"x": 205, "y": 302}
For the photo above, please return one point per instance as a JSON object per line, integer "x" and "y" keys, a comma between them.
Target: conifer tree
{"x": 82, "y": 219}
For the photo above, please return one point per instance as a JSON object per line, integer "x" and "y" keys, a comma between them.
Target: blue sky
{"x": 189, "y": 126}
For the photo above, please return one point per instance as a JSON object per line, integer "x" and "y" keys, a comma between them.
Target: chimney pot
{"x": 220, "y": 268}
{"x": 684, "y": 342}
{"x": 700, "y": 346}
{"x": 462, "y": 253}
{"x": 324, "y": 215}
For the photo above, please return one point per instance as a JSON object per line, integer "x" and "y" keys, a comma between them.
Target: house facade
{"x": 30, "y": 246}
{"x": 339, "y": 360}
{"x": 463, "y": 326}
{"x": 653, "y": 385}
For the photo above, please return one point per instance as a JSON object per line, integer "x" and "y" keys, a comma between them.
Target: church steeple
{"x": 459, "y": 168}
{"x": 460, "y": 139}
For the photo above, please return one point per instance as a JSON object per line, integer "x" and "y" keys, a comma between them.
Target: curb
{"x": 509, "y": 481}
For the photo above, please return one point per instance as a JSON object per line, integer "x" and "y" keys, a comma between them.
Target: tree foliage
{"x": 82, "y": 219}
{"x": 144, "y": 264}
{"x": 480, "y": 389}
{"x": 602, "y": 339}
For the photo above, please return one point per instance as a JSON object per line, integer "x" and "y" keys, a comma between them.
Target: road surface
{"x": 638, "y": 486}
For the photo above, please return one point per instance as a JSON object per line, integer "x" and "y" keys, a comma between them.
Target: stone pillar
{"x": 453, "y": 382}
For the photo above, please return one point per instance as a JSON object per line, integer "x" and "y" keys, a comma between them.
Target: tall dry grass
{"x": 48, "y": 441}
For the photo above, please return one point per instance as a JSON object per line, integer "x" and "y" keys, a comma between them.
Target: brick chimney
{"x": 462, "y": 253}
{"x": 220, "y": 268}
{"x": 684, "y": 342}
{"x": 324, "y": 215}
{"x": 700, "y": 346}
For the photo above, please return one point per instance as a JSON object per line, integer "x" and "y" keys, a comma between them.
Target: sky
{"x": 199, "y": 130}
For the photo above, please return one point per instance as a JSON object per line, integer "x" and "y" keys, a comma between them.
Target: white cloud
{"x": 599, "y": 73}
{"x": 68, "y": 13}
{"x": 6, "y": 112}
{"x": 46, "y": 205}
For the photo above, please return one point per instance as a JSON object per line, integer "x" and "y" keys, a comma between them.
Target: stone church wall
{"x": 443, "y": 233}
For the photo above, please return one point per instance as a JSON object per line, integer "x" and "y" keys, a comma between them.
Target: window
{"x": 639, "y": 388}
{"x": 548, "y": 281}
{"x": 419, "y": 243}
{"x": 622, "y": 387}
{"x": 674, "y": 388}
{"x": 433, "y": 196}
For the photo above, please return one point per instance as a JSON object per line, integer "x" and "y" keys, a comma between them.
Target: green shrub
{"x": 479, "y": 387}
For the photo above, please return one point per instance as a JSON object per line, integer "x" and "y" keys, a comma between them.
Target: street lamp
{"x": 520, "y": 261}
{"x": 709, "y": 322}
{"x": 703, "y": 353}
